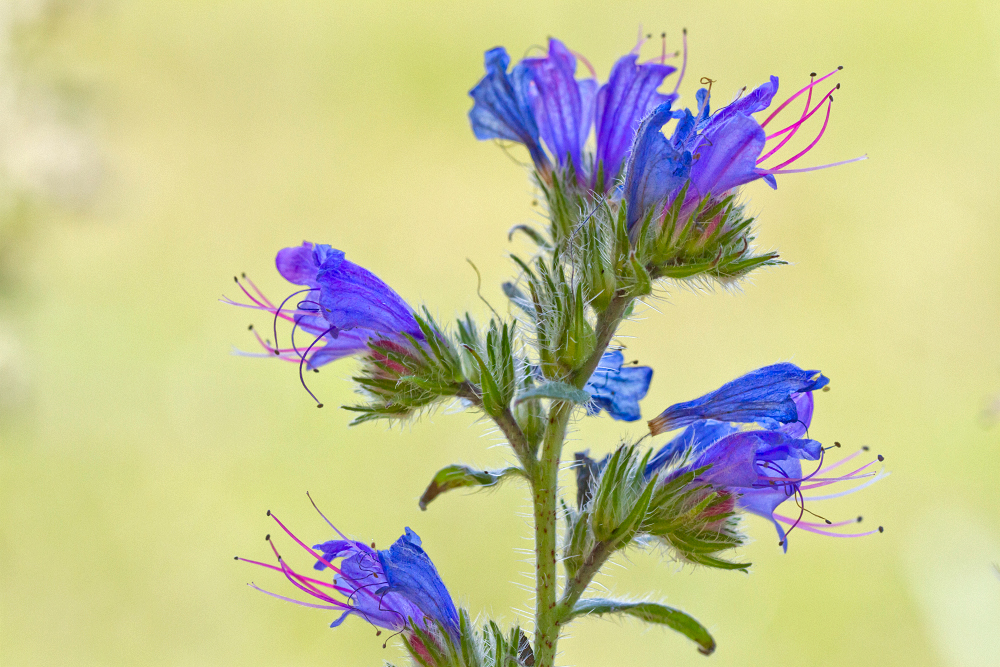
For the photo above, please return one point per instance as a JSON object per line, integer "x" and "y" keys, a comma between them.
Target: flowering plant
{"x": 639, "y": 191}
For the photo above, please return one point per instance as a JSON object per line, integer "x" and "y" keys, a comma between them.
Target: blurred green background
{"x": 151, "y": 150}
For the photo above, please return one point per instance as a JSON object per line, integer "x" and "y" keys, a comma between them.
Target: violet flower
{"x": 764, "y": 396}
{"x": 617, "y": 389}
{"x": 762, "y": 468}
{"x": 541, "y": 98}
{"x": 342, "y": 308}
{"x": 713, "y": 154}
{"x": 397, "y": 589}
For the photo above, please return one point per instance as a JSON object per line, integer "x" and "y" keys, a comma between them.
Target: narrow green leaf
{"x": 457, "y": 476}
{"x": 651, "y": 612}
{"x": 531, "y": 233}
{"x": 555, "y": 390}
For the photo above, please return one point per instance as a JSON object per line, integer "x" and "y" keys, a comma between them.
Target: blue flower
{"x": 629, "y": 95}
{"x": 712, "y": 154}
{"x": 502, "y": 109}
{"x": 616, "y": 389}
{"x": 342, "y": 309}
{"x": 398, "y": 588}
{"x": 764, "y": 396}
{"x": 562, "y": 105}
{"x": 542, "y": 98}
{"x": 762, "y": 467}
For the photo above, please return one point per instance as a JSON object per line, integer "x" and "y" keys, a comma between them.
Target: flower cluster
{"x": 749, "y": 438}
{"x": 639, "y": 191}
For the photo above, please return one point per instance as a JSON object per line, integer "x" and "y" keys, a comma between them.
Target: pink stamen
{"x": 802, "y": 171}
{"x": 796, "y": 95}
{"x": 586, "y": 63}
{"x": 843, "y": 461}
{"x": 836, "y": 524}
{"x": 797, "y": 124}
{"x": 684, "y": 63}
{"x": 292, "y": 577}
{"x": 811, "y": 529}
{"x": 335, "y": 606}
{"x": 794, "y": 127}
{"x": 339, "y": 589}
{"x": 323, "y": 560}
{"x": 260, "y": 294}
{"x": 826, "y": 121}
{"x": 881, "y": 475}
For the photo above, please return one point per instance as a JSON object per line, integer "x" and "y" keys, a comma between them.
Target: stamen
{"x": 793, "y": 97}
{"x": 819, "y": 531}
{"x": 802, "y": 171}
{"x": 344, "y": 537}
{"x": 279, "y": 308}
{"x": 302, "y": 378}
{"x": 684, "y": 62}
{"x": 339, "y": 589}
{"x": 806, "y": 116}
{"x": 593, "y": 73}
{"x": 881, "y": 475}
{"x": 338, "y": 606}
{"x": 826, "y": 121}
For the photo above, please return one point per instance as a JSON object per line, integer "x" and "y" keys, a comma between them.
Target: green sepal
{"x": 457, "y": 476}
{"x": 650, "y": 612}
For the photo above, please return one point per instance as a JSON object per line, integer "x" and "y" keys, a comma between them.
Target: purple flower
{"x": 712, "y": 154}
{"x": 617, "y": 389}
{"x": 397, "y": 589}
{"x": 765, "y": 396}
{"x": 629, "y": 95}
{"x": 342, "y": 309}
{"x": 541, "y": 97}
{"x": 502, "y": 109}
{"x": 563, "y": 105}
{"x": 762, "y": 468}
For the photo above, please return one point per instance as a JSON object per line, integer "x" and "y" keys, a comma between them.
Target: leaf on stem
{"x": 650, "y": 612}
{"x": 555, "y": 390}
{"x": 457, "y": 476}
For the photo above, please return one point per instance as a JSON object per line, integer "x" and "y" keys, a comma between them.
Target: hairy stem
{"x": 545, "y": 490}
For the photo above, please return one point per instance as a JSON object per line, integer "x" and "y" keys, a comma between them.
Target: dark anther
{"x": 840, "y": 67}
{"x": 684, "y": 30}
{"x": 269, "y": 512}
{"x": 236, "y": 280}
{"x": 881, "y": 458}
{"x": 812, "y": 74}
{"x": 881, "y": 529}
{"x": 378, "y": 633}
{"x": 236, "y": 557}
{"x": 267, "y": 538}
{"x": 663, "y": 35}
{"x": 859, "y": 519}
{"x": 781, "y": 543}
{"x": 838, "y": 86}
{"x": 244, "y": 274}
{"x": 315, "y": 370}
{"x": 865, "y": 448}
{"x": 649, "y": 35}
{"x": 836, "y": 444}
{"x": 319, "y": 405}
{"x": 250, "y": 328}
{"x": 831, "y": 98}
{"x": 828, "y": 521}
{"x": 826, "y": 388}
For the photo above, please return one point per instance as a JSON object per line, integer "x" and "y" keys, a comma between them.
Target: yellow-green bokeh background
{"x": 144, "y": 455}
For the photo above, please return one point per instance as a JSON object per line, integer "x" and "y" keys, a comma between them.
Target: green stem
{"x": 545, "y": 489}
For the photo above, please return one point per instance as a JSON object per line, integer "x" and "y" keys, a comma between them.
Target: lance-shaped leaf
{"x": 555, "y": 390}
{"x": 651, "y": 612}
{"x": 457, "y": 476}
